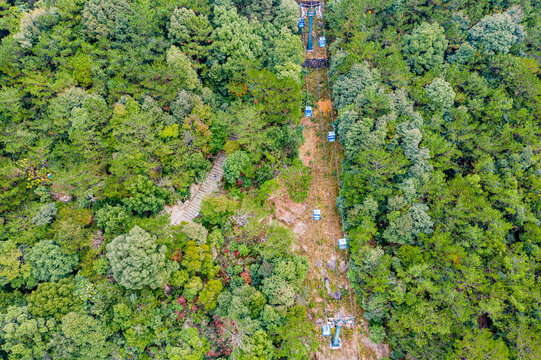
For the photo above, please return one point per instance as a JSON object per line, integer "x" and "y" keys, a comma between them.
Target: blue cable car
{"x": 326, "y": 330}
{"x": 342, "y": 244}
{"x": 322, "y": 41}
{"x": 301, "y": 23}
{"x": 317, "y": 214}
{"x": 308, "y": 111}
{"x": 331, "y": 136}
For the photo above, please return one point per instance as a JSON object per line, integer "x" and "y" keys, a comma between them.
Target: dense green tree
{"x": 53, "y": 299}
{"x": 112, "y": 219}
{"x": 296, "y": 335}
{"x": 498, "y": 32}
{"x": 24, "y": 337}
{"x": 441, "y": 94}
{"x": 82, "y": 337}
{"x": 48, "y": 261}
{"x": 45, "y": 215}
{"x": 424, "y": 48}
{"x": 192, "y": 32}
{"x": 480, "y": 344}
{"x": 137, "y": 260}
{"x": 106, "y": 18}
{"x": 145, "y": 197}
{"x": 12, "y": 270}
{"x": 235, "y": 164}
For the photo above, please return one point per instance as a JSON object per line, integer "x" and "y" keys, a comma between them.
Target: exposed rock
{"x": 288, "y": 211}
{"x": 331, "y": 264}
{"x": 167, "y": 290}
{"x": 300, "y": 228}
{"x": 318, "y": 263}
{"x": 327, "y": 285}
{"x": 337, "y": 295}
{"x": 305, "y": 248}
{"x": 343, "y": 268}
{"x": 318, "y": 322}
{"x": 97, "y": 239}
{"x": 214, "y": 253}
{"x": 65, "y": 198}
{"x": 323, "y": 272}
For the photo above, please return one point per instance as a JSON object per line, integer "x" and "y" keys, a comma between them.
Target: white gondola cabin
{"x": 331, "y": 136}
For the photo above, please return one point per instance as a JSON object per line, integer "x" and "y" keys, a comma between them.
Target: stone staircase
{"x": 189, "y": 210}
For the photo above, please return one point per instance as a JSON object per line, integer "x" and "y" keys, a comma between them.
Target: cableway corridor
{"x": 338, "y": 321}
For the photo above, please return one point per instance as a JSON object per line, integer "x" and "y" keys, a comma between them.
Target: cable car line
{"x": 331, "y": 137}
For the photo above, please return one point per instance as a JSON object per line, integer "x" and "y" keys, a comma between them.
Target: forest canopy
{"x": 438, "y": 113}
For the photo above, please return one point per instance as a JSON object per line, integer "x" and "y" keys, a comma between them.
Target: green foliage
{"x": 48, "y": 261}
{"x": 106, "y": 18}
{"x": 145, "y": 197}
{"x": 53, "y": 299}
{"x": 182, "y": 68}
{"x": 192, "y": 32}
{"x": 44, "y": 194}
{"x": 24, "y": 337}
{"x": 424, "y": 48}
{"x": 45, "y": 215}
{"x": 297, "y": 335}
{"x": 478, "y": 344}
{"x": 441, "y": 94}
{"x": 137, "y": 260}
{"x": 33, "y": 24}
{"x": 209, "y": 295}
{"x": 195, "y": 232}
{"x": 192, "y": 288}
{"x": 280, "y": 288}
{"x": 498, "y": 32}
{"x": 12, "y": 270}
{"x": 297, "y": 180}
{"x": 194, "y": 347}
{"x": 112, "y": 219}
{"x": 216, "y": 211}
{"x": 236, "y": 164}
{"x": 83, "y": 337}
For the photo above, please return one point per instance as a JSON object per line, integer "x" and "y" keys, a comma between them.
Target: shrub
{"x": 45, "y": 215}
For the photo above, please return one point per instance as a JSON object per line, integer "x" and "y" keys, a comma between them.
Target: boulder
{"x": 343, "y": 268}
{"x": 300, "y": 228}
{"x": 337, "y": 295}
{"x": 331, "y": 264}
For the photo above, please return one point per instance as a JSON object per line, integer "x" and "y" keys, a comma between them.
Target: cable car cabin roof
{"x": 308, "y": 4}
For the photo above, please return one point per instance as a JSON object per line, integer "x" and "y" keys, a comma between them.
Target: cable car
{"x": 326, "y": 330}
{"x": 331, "y": 136}
{"x": 308, "y": 111}
{"x": 342, "y": 244}
{"x": 322, "y": 41}
{"x": 317, "y": 214}
{"x": 301, "y": 23}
